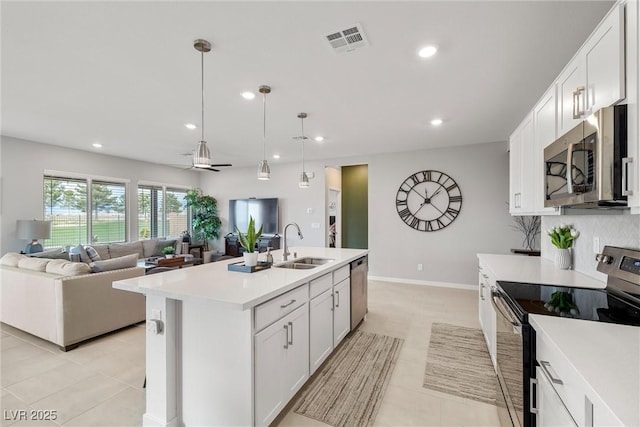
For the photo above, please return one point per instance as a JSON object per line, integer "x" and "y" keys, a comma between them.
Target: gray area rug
{"x": 458, "y": 363}
{"x": 348, "y": 389}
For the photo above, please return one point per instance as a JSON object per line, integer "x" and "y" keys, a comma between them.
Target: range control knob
{"x": 604, "y": 259}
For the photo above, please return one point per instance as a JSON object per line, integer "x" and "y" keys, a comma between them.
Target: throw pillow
{"x": 103, "y": 251}
{"x": 35, "y": 264}
{"x": 68, "y": 268}
{"x": 120, "y": 249}
{"x": 11, "y": 259}
{"x": 92, "y": 254}
{"x": 58, "y": 253}
{"x": 114, "y": 263}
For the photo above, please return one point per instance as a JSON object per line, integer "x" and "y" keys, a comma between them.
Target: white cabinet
{"x": 329, "y": 314}
{"x": 595, "y": 78}
{"x": 281, "y": 360}
{"x": 633, "y": 96}
{"x": 521, "y": 168}
{"x": 550, "y": 411}
{"x": 341, "y": 311}
{"x": 320, "y": 329}
{"x": 544, "y": 133}
{"x": 486, "y": 313}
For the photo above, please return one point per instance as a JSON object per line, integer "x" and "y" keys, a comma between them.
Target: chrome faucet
{"x": 286, "y": 253}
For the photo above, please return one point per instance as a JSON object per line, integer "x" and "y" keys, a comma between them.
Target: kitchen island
{"x": 219, "y": 343}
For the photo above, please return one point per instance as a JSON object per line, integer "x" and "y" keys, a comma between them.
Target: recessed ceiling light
{"x": 427, "y": 51}
{"x": 248, "y": 95}
{"x": 436, "y": 122}
{"x": 97, "y": 145}
{"x": 319, "y": 138}
{"x": 190, "y": 126}
{"x": 276, "y": 156}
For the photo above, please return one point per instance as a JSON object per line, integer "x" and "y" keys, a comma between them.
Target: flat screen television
{"x": 263, "y": 211}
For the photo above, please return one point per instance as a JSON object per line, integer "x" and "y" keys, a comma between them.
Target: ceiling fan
{"x": 212, "y": 168}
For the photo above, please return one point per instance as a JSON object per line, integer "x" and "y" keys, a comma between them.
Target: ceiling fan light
{"x": 304, "y": 181}
{"x": 264, "y": 171}
{"x": 202, "y": 156}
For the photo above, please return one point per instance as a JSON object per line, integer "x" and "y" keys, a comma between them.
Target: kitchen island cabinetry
{"x": 225, "y": 347}
{"x": 486, "y": 312}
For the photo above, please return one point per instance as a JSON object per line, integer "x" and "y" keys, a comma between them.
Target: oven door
{"x": 510, "y": 350}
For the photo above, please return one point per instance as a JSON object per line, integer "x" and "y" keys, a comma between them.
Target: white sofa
{"x": 68, "y": 309}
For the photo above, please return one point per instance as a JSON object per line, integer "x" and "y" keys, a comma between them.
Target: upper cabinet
{"x": 595, "y": 78}
{"x": 598, "y": 76}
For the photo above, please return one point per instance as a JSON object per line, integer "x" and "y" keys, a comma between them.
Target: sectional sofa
{"x": 68, "y": 302}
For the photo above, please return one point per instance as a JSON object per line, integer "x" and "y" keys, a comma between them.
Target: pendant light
{"x": 202, "y": 156}
{"x": 264, "y": 172}
{"x": 304, "y": 179}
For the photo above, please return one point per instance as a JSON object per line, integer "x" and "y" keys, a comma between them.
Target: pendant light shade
{"x": 264, "y": 171}
{"x": 202, "y": 156}
{"x": 304, "y": 179}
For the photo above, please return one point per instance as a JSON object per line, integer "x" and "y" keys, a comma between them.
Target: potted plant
{"x": 248, "y": 242}
{"x": 562, "y": 238}
{"x": 206, "y": 222}
{"x": 169, "y": 252}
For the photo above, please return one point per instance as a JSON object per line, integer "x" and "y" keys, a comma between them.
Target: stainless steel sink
{"x": 304, "y": 263}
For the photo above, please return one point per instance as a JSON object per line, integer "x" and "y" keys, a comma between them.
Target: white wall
{"x": 612, "y": 230}
{"x": 448, "y": 255}
{"x": 23, "y": 164}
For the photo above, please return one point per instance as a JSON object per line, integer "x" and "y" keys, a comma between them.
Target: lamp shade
{"x": 32, "y": 229}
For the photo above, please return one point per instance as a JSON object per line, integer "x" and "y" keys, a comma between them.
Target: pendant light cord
{"x": 303, "y": 138}
{"x": 264, "y": 126}
{"x": 202, "y": 85}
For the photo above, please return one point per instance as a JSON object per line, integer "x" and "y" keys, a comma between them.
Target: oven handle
{"x": 495, "y": 295}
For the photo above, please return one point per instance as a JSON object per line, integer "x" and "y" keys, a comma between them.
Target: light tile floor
{"x": 100, "y": 382}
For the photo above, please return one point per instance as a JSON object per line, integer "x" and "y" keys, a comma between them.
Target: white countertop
{"x": 529, "y": 269}
{"x": 237, "y": 290}
{"x": 606, "y": 355}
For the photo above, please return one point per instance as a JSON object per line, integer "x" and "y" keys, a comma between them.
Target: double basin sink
{"x": 304, "y": 263}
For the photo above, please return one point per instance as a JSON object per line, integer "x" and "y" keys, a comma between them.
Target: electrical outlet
{"x": 419, "y": 267}
{"x": 596, "y": 245}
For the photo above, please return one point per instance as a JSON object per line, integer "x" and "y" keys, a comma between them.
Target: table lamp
{"x": 33, "y": 230}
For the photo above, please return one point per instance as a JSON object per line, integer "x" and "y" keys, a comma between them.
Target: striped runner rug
{"x": 458, "y": 363}
{"x": 348, "y": 389}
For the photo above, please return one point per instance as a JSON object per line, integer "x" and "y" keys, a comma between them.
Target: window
{"x": 162, "y": 212}
{"x": 65, "y": 205}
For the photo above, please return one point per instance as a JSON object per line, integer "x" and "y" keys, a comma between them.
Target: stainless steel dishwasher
{"x": 359, "y": 270}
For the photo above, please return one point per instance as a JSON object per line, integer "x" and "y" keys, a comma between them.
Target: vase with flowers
{"x": 562, "y": 237}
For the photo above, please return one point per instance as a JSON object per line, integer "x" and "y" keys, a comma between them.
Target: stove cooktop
{"x": 600, "y": 305}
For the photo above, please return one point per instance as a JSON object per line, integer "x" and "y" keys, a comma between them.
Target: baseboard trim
{"x": 425, "y": 283}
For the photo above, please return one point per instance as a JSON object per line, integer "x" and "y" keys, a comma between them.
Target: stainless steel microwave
{"x": 587, "y": 167}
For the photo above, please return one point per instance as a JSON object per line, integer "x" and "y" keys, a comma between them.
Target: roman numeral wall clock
{"x": 428, "y": 200}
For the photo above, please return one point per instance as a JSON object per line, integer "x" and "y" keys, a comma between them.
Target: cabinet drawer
{"x": 558, "y": 368}
{"x": 340, "y": 274}
{"x": 272, "y": 310}
{"x": 319, "y": 285}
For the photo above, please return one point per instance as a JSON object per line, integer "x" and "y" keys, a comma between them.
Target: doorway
{"x": 355, "y": 206}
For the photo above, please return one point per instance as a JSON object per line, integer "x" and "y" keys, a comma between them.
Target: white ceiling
{"x": 125, "y": 74}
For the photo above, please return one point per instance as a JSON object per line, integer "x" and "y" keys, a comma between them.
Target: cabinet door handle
{"x": 338, "y": 294}
{"x": 551, "y": 374}
{"x": 533, "y": 395}
{"x": 287, "y": 305}
{"x": 333, "y": 301}
{"x": 482, "y": 291}
{"x": 577, "y": 112}
{"x": 286, "y": 341}
{"x": 626, "y": 161}
{"x": 291, "y": 329}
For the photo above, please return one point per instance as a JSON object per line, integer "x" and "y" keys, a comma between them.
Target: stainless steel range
{"x": 618, "y": 303}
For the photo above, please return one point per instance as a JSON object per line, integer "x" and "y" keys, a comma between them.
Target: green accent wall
{"x": 355, "y": 206}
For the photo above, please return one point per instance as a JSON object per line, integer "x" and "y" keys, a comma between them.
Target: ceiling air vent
{"x": 348, "y": 39}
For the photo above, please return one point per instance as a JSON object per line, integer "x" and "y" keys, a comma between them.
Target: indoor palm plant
{"x": 562, "y": 237}
{"x": 248, "y": 241}
{"x": 206, "y": 222}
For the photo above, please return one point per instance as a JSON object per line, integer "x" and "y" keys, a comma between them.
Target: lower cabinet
{"x": 486, "y": 313}
{"x": 550, "y": 411}
{"x": 320, "y": 329}
{"x": 281, "y": 363}
{"x": 341, "y": 311}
